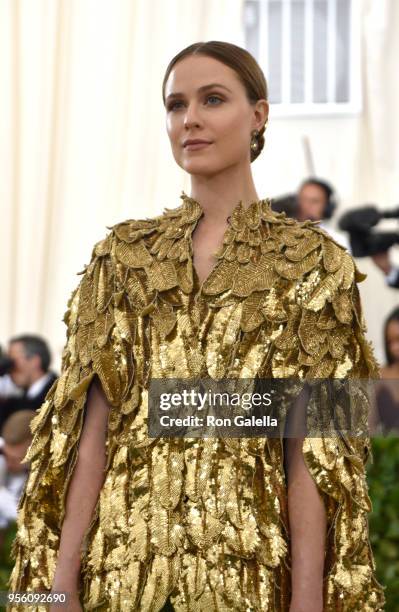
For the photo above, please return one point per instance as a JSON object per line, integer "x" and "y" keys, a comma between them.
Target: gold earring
{"x": 254, "y": 141}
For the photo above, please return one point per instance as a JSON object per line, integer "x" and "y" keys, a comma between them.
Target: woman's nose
{"x": 191, "y": 116}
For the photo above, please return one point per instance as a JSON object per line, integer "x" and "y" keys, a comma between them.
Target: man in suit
{"x": 30, "y": 371}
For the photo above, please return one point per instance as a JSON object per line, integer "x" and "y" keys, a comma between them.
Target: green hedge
{"x": 5, "y": 561}
{"x": 383, "y": 480}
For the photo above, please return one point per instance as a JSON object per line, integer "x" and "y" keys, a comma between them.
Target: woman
{"x": 391, "y": 342}
{"x": 202, "y": 524}
{"x": 387, "y": 389}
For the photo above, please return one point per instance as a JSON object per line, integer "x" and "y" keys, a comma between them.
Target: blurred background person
{"x": 387, "y": 389}
{"x": 391, "y": 343}
{"x": 7, "y": 386}
{"x": 29, "y": 369}
{"x": 14, "y": 443}
{"x": 314, "y": 200}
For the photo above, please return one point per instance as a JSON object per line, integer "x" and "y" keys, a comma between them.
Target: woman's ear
{"x": 261, "y": 114}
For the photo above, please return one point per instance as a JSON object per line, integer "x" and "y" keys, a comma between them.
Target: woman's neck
{"x": 218, "y": 199}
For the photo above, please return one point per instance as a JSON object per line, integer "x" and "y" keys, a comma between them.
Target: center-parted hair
{"x": 241, "y": 61}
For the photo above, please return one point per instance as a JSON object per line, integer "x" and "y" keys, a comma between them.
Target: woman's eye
{"x": 215, "y": 98}
{"x": 173, "y": 105}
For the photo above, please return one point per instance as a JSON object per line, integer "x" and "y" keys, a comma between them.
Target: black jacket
{"x": 12, "y": 404}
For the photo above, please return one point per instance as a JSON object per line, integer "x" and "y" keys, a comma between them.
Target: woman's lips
{"x": 197, "y": 146}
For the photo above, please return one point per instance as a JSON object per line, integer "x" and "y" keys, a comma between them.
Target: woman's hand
{"x": 306, "y": 604}
{"x": 67, "y": 583}
{"x": 72, "y": 603}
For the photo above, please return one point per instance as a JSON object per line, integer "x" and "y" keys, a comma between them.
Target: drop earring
{"x": 254, "y": 141}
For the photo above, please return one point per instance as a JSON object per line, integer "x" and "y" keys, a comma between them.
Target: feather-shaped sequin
{"x": 134, "y": 255}
{"x": 162, "y": 275}
{"x": 293, "y": 270}
{"x": 255, "y": 277}
{"x": 162, "y": 575}
{"x": 302, "y": 247}
{"x": 252, "y": 315}
{"x": 310, "y": 335}
{"x": 325, "y": 290}
{"x": 332, "y": 255}
{"x": 168, "y": 476}
{"x": 164, "y": 319}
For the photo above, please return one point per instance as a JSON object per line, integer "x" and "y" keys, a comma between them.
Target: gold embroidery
{"x": 203, "y": 521}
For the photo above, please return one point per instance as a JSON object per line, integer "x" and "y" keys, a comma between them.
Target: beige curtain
{"x": 377, "y": 178}
{"x": 83, "y": 142}
{"x": 379, "y": 138}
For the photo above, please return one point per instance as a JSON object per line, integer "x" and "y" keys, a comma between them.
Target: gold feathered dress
{"x": 203, "y": 521}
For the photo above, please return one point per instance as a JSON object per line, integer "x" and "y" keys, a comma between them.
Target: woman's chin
{"x": 201, "y": 167}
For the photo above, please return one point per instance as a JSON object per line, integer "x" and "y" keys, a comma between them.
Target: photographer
{"x": 315, "y": 201}
{"x": 27, "y": 365}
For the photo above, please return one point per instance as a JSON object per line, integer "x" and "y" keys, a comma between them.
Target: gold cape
{"x": 203, "y": 521}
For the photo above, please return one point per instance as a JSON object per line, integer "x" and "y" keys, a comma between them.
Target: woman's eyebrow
{"x": 200, "y": 90}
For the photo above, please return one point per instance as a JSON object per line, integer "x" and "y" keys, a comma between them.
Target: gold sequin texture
{"x": 201, "y": 521}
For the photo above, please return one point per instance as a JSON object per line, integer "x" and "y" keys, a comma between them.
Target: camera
{"x": 364, "y": 240}
{"x": 6, "y": 364}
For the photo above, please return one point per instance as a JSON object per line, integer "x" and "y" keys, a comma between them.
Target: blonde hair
{"x": 16, "y": 429}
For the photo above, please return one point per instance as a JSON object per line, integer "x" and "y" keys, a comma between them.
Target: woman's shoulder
{"x": 131, "y": 230}
{"x": 308, "y": 229}
{"x": 133, "y": 243}
{"x": 305, "y": 247}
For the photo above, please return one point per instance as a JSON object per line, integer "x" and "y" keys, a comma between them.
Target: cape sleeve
{"x": 98, "y": 341}
{"x": 325, "y": 339}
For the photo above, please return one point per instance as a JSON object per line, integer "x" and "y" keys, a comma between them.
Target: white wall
{"x": 359, "y": 154}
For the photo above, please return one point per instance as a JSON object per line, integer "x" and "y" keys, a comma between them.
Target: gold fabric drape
{"x": 203, "y": 521}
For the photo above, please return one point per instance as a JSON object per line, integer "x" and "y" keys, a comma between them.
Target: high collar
{"x": 246, "y": 256}
{"x": 260, "y": 249}
{"x": 246, "y": 242}
{"x": 249, "y": 216}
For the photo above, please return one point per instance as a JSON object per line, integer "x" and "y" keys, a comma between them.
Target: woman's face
{"x": 211, "y": 105}
{"x": 392, "y": 337}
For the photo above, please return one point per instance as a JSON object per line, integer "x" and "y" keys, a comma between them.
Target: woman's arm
{"x": 307, "y": 521}
{"x": 86, "y": 482}
{"x": 306, "y": 515}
